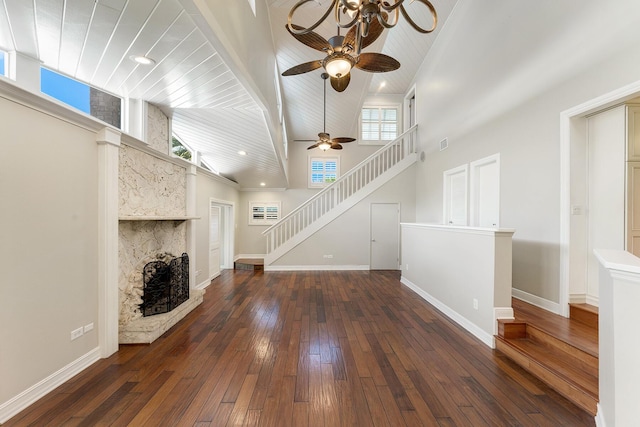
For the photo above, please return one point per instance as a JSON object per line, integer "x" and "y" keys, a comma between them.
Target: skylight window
{"x": 99, "y": 104}
{"x": 65, "y": 89}
{"x": 3, "y": 72}
{"x": 179, "y": 149}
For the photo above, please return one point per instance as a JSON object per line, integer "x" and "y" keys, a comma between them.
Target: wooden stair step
{"x": 577, "y": 356}
{"x": 575, "y": 333}
{"x": 584, "y": 313}
{"x": 254, "y": 264}
{"x": 554, "y": 367}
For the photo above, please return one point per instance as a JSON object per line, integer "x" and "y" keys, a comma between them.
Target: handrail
{"x": 345, "y": 186}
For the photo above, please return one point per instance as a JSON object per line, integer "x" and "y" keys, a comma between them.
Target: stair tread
{"x": 574, "y": 333}
{"x": 557, "y": 361}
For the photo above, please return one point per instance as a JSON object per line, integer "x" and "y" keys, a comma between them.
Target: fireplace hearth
{"x": 166, "y": 286}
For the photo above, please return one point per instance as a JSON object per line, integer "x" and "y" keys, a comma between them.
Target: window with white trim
{"x": 264, "y": 213}
{"x": 379, "y": 124}
{"x": 323, "y": 171}
{"x": 2, "y": 63}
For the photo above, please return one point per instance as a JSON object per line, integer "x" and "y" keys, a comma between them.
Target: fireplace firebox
{"x": 166, "y": 286}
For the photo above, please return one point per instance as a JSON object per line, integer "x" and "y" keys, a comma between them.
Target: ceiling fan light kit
{"x": 342, "y": 54}
{"x": 338, "y": 65}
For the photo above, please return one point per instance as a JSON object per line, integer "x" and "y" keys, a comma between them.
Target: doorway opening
{"x": 221, "y": 236}
{"x": 574, "y": 195}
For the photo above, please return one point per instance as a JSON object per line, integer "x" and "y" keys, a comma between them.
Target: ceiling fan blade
{"x": 340, "y": 84}
{"x": 376, "y": 63}
{"x": 336, "y": 146}
{"x": 313, "y": 146}
{"x": 311, "y": 39}
{"x": 342, "y": 140}
{"x": 303, "y": 68}
{"x": 375, "y": 29}
{"x": 350, "y": 38}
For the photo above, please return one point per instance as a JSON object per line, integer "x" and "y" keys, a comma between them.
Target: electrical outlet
{"x": 76, "y": 333}
{"x": 197, "y": 272}
{"x": 406, "y": 267}
{"x": 475, "y": 304}
{"x": 88, "y": 327}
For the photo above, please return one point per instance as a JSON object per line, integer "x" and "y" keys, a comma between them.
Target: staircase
{"x": 561, "y": 352}
{"x": 344, "y": 193}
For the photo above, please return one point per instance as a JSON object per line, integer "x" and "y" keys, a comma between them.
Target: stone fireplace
{"x": 153, "y": 227}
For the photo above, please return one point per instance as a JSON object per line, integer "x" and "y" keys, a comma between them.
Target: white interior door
{"x": 385, "y": 236}
{"x": 214, "y": 241}
{"x": 455, "y": 196}
{"x": 606, "y": 188}
{"x": 485, "y": 192}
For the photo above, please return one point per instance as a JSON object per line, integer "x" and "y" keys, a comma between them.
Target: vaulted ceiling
{"x": 212, "y": 112}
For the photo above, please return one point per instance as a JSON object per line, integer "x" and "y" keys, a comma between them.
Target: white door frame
{"x": 572, "y": 134}
{"x": 227, "y": 210}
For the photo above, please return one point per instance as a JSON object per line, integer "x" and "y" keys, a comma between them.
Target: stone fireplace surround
{"x": 153, "y": 224}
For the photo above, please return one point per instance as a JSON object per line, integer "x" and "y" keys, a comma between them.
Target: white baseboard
{"x": 11, "y": 407}
{"x": 577, "y": 299}
{"x": 315, "y": 267}
{"x": 471, "y": 327}
{"x": 600, "y": 417}
{"x": 551, "y": 306}
{"x": 503, "y": 313}
{"x": 207, "y": 282}
{"x": 591, "y": 300}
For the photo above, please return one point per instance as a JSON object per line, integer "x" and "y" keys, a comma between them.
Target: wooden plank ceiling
{"x": 93, "y": 41}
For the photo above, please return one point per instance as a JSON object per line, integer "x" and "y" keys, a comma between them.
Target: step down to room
{"x": 584, "y": 313}
{"x": 561, "y": 352}
{"x": 255, "y": 264}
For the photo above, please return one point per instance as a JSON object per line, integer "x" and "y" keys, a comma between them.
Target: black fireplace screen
{"x": 166, "y": 286}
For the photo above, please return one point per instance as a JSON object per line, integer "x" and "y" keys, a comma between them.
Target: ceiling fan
{"x": 343, "y": 53}
{"x": 325, "y": 141}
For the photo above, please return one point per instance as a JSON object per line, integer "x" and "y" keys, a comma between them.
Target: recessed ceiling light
{"x": 242, "y": 153}
{"x": 144, "y": 60}
{"x": 262, "y": 184}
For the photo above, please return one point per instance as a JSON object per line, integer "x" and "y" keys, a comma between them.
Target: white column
{"x": 135, "y": 118}
{"x": 108, "y": 140}
{"x": 191, "y": 226}
{"x": 24, "y": 70}
{"x": 619, "y": 349}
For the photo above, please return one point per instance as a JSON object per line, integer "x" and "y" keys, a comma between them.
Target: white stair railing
{"x": 340, "y": 190}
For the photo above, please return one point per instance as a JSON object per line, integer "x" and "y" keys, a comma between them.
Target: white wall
{"x": 208, "y": 187}
{"x": 347, "y": 238}
{"x": 464, "y": 271}
{"x": 48, "y": 245}
{"x": 501, "y": 88}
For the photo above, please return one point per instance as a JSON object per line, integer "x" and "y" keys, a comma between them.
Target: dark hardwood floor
{"x": 307, "y": 348}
